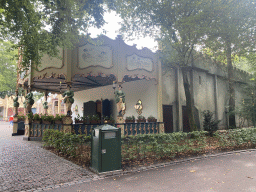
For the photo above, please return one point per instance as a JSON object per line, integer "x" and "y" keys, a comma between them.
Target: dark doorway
{"x": 90, "y": 108}
{"x": 168, "y": 118}
{"x": 106, "y": 108}
{"x": 186, "y": 127}
{"x": 99, "y": 107}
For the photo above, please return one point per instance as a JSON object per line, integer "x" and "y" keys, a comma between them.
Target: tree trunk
{"x": 232, "y": 118}
{"x": 189, "y": 100}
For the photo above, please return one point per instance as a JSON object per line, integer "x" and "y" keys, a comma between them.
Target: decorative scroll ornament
{"x": 92, "y": 55}
{"x": 136, "y": 62}
{"x": 139, "y": 107}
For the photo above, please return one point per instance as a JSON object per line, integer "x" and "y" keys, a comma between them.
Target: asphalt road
{"x": 229, "y": 173}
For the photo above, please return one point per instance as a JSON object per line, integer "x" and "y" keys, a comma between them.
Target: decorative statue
{"x": 139, "y": 107}
{"x": 120, "y": 101}
{"x": 68, "y": 100}
{"x": 16, "y": 105}
{"x": 45, "y": 105}
{"x": 15, "y": 102}
{"x": 29, "y": 102}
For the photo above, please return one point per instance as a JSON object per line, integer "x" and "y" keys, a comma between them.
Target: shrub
{"x": 78, "y": 118}
{"x": 36, "y": 117}
{"x": 58, "y": 117}
{"x": 130, "y": 118}
{"x": 210, "y": 124}
{"x": 47, "y": 117}
{"x": 30, "y": 115}
{"x": 66, "y": 143}
{"x": 141, "y": 117}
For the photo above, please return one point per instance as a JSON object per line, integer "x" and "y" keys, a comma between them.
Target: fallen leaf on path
{"x": 192, "y": 171}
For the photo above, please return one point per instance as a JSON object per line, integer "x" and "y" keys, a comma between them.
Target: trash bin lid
{"x": 106, "y": 127}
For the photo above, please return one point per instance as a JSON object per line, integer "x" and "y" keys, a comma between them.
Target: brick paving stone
{"x": 26, "y": 166}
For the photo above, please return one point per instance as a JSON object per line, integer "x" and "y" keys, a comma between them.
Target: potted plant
{"x": 78, "y": 119}
{"x": 85, "y": 120}
{"x": 37, "y": 118}
{"x": 95, "y": 119}
{"x": 30, "y": 117}
{"x": 109, "y": 120}
{"x": 130, "y": 119}
{"x": 141, "y": 119}
{"x": 21, "y": 118}
{"x": 58, "y": 119}
{"x": 47, "y": 119}
{"x": 152, "y": 119}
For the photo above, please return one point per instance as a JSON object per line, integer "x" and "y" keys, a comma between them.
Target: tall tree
{"x": 178, "y": 24}
{"x": 231, "y": 34}
{"x": 40, "y": 26}
{"x": 8, "y": 74}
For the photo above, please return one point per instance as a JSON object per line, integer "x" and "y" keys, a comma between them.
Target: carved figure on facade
{"x": 120, "y": 101}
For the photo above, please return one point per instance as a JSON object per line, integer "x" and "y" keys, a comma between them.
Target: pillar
{"x": 178, "y": 103}
{"x": 216, "y": 96}
{"x": 45, "y": 106}
{"x": 59, "y": 103}
{"x": 28, "y": 122}
{"x": 67, "y": 121}
{"x": 160, "y": 93}
{"x": 120, "y": 103}
{"x": 15, "y": 117}
{"x": 7, "y": 107}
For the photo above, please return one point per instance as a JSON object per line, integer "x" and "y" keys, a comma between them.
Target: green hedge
{"x": 155, "y": 146}
{"x": 162, "y": 145}
{"x": 237, "y": 137}
{"x": 66, "y": 143}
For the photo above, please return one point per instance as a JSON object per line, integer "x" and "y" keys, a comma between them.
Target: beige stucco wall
{"x": 204, "y": 95}
{"x": 146, "y": 90}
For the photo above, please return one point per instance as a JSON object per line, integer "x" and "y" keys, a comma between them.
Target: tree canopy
{"x": 232, "y": 33}
{"x": 180, "y": 25}
{"x": 177, "y": 24}
{"x": 8, "y": 73}
{"x": 40, "y": 26}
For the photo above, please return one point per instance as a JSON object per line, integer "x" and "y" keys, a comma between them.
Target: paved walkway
{"x": 24, "y": 165}
{"x": 234, "y": 172}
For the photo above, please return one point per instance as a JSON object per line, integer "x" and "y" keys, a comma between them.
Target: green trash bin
{"x": 106, "y": 149}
